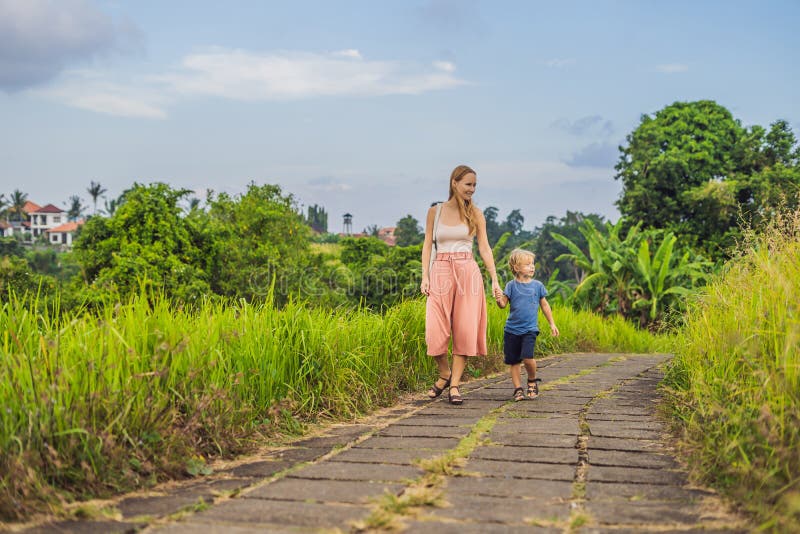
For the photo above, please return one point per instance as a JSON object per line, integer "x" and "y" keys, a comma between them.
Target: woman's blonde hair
{"x": 516, "y": 257}
{"x": 467, "y": 210}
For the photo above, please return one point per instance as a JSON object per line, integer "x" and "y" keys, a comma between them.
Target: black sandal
{"x": 518, "y": 395}
{"x": 438, "y": 390}
{"x": 533, "y": 388}
{"x": 454, "y": 399}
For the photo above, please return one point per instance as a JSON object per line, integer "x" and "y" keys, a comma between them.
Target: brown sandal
{"x": 533, "y": 388}
{"x": 436, "y": 390}
{"x": 518, "y": 395}
{"x": 454, "y": 399}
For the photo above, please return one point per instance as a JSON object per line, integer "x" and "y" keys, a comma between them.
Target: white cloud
{"x": 243, "y": 75}
{"x": 350, "y": 52}
{"x": 89, "y": 90}
{"x": 672, "y": 68}
{"x": 445, "y": 66}
{"x": 558, "y": 63}
{"x": 248, "y": 76}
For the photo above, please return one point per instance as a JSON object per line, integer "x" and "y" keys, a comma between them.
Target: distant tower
{"x": 348, "y": 224}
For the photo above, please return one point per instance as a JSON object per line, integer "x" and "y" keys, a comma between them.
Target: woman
{"x": 456, "y": 305}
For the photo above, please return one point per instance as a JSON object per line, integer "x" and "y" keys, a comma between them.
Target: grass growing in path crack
{"x": 427, "y": 490}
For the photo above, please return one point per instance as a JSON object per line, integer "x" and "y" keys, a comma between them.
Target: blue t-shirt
{"x": 524, "y": 300}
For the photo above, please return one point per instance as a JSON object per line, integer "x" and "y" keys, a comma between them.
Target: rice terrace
{"x": 203, "y": 350}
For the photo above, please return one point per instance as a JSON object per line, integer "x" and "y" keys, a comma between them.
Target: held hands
{"x": 497, "y": 293}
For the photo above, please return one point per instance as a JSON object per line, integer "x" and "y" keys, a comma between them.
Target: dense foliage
{"x": 694, "y": 169}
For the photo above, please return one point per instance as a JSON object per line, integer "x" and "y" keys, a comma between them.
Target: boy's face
{"x": 526, "y": 268}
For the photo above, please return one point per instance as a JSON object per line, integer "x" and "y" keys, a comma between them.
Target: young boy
{"x": 526, "y": 295}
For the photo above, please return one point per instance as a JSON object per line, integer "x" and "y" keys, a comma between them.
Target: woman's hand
{"x": 496, "y": 291}
{"x": 425, "y": 286}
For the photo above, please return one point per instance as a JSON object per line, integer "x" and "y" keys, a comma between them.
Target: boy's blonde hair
{"x": 517, "y": 256}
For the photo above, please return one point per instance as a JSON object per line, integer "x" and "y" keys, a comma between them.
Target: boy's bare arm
{"x": 548, "y": 314}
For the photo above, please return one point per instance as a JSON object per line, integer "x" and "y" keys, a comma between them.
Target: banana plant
{"x": 663, "y": 282}
{"x": 620, "y": 275}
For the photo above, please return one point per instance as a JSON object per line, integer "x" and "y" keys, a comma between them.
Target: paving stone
{"x": 653, "y": 513}
{"x": 441, "y": 527}
{"x": 634, "y": 475}
{"x": 528, "y": 454}
{"x": 603, "y": 426}
{"x": 157, "y": 506}
{"x": 407, "y": 443}
{"x": 506, "y": 437}
{"x": 262, "y": 469}
{"x": 537, "y": 490}
{"x": 81, "y": 527}
{"x": 425, "y": 432}
{"x": 298, "y": 455}
{"x": 631, "y": 459}
{"x": 499, "y": 510}
{"x": 597, "y": 491}
{"x": 554, "y": 425}
{"x": 592, "y": 416}
{"x": 387, "y": 456}
{"x": 192, "y": 527}
{"x": 350, "y": 471}
{"x": 263, "y": 512}
{"x": 337, "y": 491}
{"x": 502, "y": 469}
{"x": 447, "y": 410}
{"x": 624, "y": 444}
{"x": 632, "y": 433}
{"x": 436, "y": 421}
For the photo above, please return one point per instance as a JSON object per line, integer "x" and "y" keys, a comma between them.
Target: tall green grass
{"x": 97, "y": 403}
{"x": 736, "y": 378}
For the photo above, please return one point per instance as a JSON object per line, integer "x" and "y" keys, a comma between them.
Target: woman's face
{"x": 466, "y": 187}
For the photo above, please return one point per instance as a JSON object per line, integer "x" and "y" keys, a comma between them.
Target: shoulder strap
{"x": 436, "y": 224}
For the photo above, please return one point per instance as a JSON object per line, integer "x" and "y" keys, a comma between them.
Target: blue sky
{"x": 366, "y": 106}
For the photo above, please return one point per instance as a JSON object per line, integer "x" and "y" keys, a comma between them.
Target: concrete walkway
{"x": 587, "y": 456}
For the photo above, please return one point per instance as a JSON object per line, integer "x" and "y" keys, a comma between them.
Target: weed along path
{"x": 587, "y": 456}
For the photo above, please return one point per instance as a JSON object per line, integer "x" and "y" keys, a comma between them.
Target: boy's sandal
{"x": 533, "y": 388}
{"x": 518, "y": 395}
{"x": 454, "y": 399}
{"x": 435, "y": 390}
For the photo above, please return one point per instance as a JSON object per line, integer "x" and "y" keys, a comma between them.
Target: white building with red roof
{"x": 46, "y": 218}
{"x": 63, "y": 234}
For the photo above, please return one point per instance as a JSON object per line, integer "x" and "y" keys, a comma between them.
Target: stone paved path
{"x": 587, "y": 456}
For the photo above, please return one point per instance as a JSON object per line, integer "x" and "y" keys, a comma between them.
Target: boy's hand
{"x": 498, "y": 293}
{"x": 554, "y": 330}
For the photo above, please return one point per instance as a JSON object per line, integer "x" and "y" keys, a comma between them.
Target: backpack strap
{"x": 435, "y": 227}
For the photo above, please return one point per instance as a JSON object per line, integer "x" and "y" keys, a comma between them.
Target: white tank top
{"x": 453, "y": 238}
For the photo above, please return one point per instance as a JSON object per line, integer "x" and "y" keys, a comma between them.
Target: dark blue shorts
{"x": 517, "y": 347}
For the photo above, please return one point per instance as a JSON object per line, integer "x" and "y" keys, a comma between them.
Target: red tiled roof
{"x": 49, "y": 209}
{"x": 66, "y": 227}
{"x": 30, "y": 207}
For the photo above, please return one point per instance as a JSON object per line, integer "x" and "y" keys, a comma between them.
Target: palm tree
{"x": 4, "y": 203}
{"x": 75, "y": 208}
{"x": 95, "y": 190}
{"x": 111, "y": 206}
{"x": 18, "y": 200}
